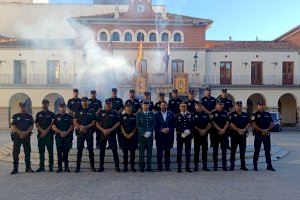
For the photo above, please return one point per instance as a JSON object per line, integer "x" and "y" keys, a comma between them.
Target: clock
{"x": 140, "y": 8}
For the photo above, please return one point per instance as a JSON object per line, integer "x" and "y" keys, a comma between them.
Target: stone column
{"x": 298, "y": 117}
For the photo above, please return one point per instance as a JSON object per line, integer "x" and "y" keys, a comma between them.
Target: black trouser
{"x": 89, "y": 138}
{"x": 241, "y": 141}
{"x": 198, "y": 142}
{"x": 187, "y": 143}
{"x": 160, "y": 151}
{"x": 63, "y": 148}
{"x": 17, "y": 142}
{"x": 125, "y": 157}
{"x": 43, "y": 143}
{"x": 98, "y": 136}
{"x": 266, "y": 140}
{"x": 220, "y": 140}
{"x": 114, "y": 148}
{"x": 145, "y": 144}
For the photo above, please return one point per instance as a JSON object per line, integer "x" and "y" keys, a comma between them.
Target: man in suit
{"x": 164, "y": 134}
{"x": 145, "y": 123}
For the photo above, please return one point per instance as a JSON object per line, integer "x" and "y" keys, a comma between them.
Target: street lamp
{"x": 196, "y": 61}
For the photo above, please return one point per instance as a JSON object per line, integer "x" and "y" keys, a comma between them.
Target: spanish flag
{"x": 140, "y": 57}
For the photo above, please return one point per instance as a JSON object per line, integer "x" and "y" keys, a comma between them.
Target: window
{"x": 128, "y": 37}
{"x": 103, "y": 36}
{"x": 288, "y": 73}
{"x": 53, "y": 72}
{"x": 256, "y": 73}
{"x": 177, "y": 66}
{"x": 116, "y": 36}
{"x": 165, "y": 37}
{"x": 225, "y": 73}
{"x": 140, "y": 37}
{"x": 152, "y": 37}
{"x": 20, "y": 72}
{"x": 177, "y": 37}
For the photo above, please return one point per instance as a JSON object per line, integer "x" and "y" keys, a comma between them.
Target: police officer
{"x": 262, "y": 124}
{"x": 161, "y": 97}
{"x": 147, "y": 96}
{"x": 128, "y": 138}
{"x": 135, "y": 104}
{"x": 208, "y": 101}
{"x": 96, "y": 105}
{"x": 191, "y": 102}
{"x": 63, "y": 127}
{"x": 108, "y": 123}
{"x": 239, "y": 124}
{"x": 43, "y": 121}
{"x": 84, "y": 121}
{"x": 164, "y": 135}
{"x": 174, "y": 102}
{"x": 21, "y": 127}
{"x": 74, "y": 104}
{"x": 201, "y": 131}
{"x": 145, "y": 123}
{"x": 228, "y": 105}
{"x": 184, "y": 128}
{"x": 117, "y": 103}
{"x": 220, "y": 122}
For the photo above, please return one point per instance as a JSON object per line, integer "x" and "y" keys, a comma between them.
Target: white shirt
{"x": 164, "y": 114}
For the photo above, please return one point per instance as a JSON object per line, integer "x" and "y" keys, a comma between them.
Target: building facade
{"x": 34, "y": 69}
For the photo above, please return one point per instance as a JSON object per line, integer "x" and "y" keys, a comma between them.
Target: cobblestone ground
{"x": 282, "y": 184}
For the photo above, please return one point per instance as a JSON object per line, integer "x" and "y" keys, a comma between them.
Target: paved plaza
{"x": 282, "y": 184}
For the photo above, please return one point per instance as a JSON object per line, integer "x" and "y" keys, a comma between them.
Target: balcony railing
{"x": 37, "y": 79}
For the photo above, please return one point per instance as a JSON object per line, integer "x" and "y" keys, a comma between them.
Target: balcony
{"x": 36, "y": 80}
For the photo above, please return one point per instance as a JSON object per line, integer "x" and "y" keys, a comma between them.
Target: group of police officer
{"x": 134, "y": 125}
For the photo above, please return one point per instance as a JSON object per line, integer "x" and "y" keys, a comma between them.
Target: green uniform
{"x": 44, "y": 119}
{"x": 145, "y": 123}
{"x": 22, "y": 121}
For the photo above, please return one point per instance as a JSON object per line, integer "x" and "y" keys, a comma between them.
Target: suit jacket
{"x": 145, "y": 123}
{"x": 162, "y": 139}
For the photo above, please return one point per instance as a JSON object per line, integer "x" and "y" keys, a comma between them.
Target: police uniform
{"x": 23, "y": 121}
{"x": 45, "y": 119}
{"x": 184, "y": 122}
{"x": 151, "y": 104}
{"x": 135, "y": 104}
{"x": 108, "y": 119}
{"x": 74, "y": 104}
{"x": 174, "y": 105}
{"x": 145, "y": 126}
{"x": 116, "y": 103}
{"x": 221, "y": 119}
{"x": 209, "y": 103}
{"x": 96, "y": 105}
{"x": 263, "y": 120}
{"x": 128, "y": 122}
{"x": 164, "y": 141}
{"x": 191, "y": 105}
{"x": 85, "y": 117}
{"x": 240, "y": 121}
{"x": 227, "y": 104}
{"x": 63, "y": 122}
{"x": 202, "y": 120}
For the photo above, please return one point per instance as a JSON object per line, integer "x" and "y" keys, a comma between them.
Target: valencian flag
{"x": 166, "y": 57}
{"x": 140, "y": 57}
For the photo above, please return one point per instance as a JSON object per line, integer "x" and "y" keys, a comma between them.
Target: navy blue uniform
{"x": 74, "y": 104}
{"x": 184, "y": 122}
{"x": 220, "y": 118}
{"x": 117, "y": 104}
{"x": 191, "y": 105}
{"x": 209, "y": 103}
{"x": 164, "y": 141}
{"x": 135, "y": 104}
{"x": 22, "y": 121}
{"x": 96, "y": 105}
{"x": 85, "y": 117}
{"x": 63, "y": 144}
{"x": 174, "y": 105}
{"x": 240, "y": 121}
{"x": 263, "y": 120}
{"x": 45, "y": 119}
{"x": 108, "y": 119}
{"x": 128, "y": 122}
{"x": 202, "y": 120}
{"x": 227, "y": 104}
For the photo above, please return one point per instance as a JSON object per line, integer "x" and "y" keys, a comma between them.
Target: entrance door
{"x": 288, "y": 73}
{"x": 256, "y": 73}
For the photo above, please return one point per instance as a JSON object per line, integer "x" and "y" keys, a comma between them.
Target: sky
{"x": 240, "y": 19}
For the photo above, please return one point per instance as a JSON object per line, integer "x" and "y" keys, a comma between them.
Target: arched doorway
{"x": 14, "y": 104}
{"x": 287, "y": 107}
{"x": 252, "y": 102}
{"x": 54, "y": 101}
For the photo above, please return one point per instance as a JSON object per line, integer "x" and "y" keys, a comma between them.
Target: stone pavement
{"x": 279, "y": 185}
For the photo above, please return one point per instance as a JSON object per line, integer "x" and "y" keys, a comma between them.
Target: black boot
{"x": 14, "y": 171}
{"x": 270, "y": 168}
{"x": 77, "y": 170}
{"x": 243, "y": 167}
{"x": 196, "y": 168}
{"x": 125, "y": 168}
{"x": 29, "y": 170}
{"x": 215, "y": 166}
{"x": 204, "y": 168}
{"x": 232, "y": 167}
{"x": 67, "y": 167}
{"x": 40, "y": 169}
{"x": 132, "y": 168}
